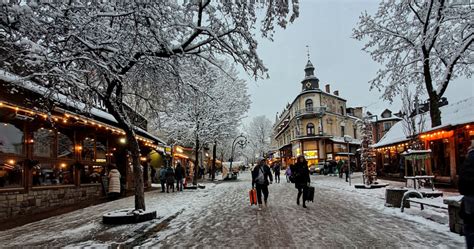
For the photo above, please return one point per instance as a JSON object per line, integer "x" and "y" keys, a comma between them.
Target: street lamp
{"x": 348, "y": 139}
{"x": 240, "y": 140}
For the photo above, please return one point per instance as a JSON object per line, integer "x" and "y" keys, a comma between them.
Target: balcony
{"x": 309, "y": 112}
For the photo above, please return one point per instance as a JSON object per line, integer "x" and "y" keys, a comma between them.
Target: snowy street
{"x": 221, "y": 216}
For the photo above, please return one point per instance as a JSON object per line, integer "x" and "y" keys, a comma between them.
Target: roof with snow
{"x": 454, "y": 114}
{"x": 62, "y": 99}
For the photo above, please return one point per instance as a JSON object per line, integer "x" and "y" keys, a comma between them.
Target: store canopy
{"x": 416, "y": 154}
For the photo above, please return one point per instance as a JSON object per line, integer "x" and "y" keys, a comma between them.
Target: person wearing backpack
{"x": 300, "y": 174}
{"x": 261, "y": 178}
{"x": 466, "y": 188}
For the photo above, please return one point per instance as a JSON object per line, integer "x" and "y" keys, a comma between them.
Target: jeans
{"x": 162, "y": 185}
{"x": 262, "y": 188}
{"x": 277, "y": 176}
{"x": 179, "y": 184}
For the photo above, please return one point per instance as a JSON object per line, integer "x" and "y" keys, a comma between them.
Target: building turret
{"x": 310, "y": 82}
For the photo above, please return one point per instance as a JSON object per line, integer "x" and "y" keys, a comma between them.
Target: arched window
{"x": 310, "y": 129}
{"x": 309, "y": 105}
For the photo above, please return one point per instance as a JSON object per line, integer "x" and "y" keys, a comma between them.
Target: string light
{"x": 67, "y": 116}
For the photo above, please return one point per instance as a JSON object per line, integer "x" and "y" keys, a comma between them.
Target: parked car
{"x": 322, "y": 168}
{"x": 312, "y": 169}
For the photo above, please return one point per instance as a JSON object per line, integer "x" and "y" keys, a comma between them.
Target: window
{"x": 342, "y": 131}
{"x": 44, "y": 143}
{"x": 342, "y": 110}
{"x": 65, "y": 147}
{"x": 355, "y": 133}
{"x": 387, "y": 126}
{"x": 47, "y": 173}
{"x": 309, "y": 105}
{"x": 310, "y": 129}
{"x": 10, "y": 173}
{"x": 11, "y": 139}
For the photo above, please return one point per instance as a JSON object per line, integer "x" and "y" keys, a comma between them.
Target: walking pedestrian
{"x": 169, "y": 179}
{"x": 345, "y": 170}
{"x": 114, "y": 182}
{"x": 340, "y": 164}
{"x": 179, "y": 175}
{"x": 261, "y": 178}
{"x": 466, "y": 188}
{"x": 163, "y": 179}
{"x": 288, "y": 173}
{"x": 276, "y": 170}
{"x": 300, "y": 173}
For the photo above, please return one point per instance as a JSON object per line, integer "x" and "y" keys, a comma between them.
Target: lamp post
{"x": 240, "y": 140}
{"x": 348, "y": 139}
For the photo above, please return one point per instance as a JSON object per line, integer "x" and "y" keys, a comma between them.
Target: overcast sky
{"x": 326, "y": 26}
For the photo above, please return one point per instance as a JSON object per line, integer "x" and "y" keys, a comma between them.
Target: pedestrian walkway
{"x": 220, "y": 216}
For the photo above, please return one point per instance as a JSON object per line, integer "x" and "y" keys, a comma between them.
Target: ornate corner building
{"x": 317, "y": 124}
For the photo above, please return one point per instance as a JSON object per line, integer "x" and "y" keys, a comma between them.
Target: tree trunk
{"x": 196, "y": 165}
{"x": 137, "y": 171}
{"x": 435, "y": 113}
{"x": 213, "y": 167}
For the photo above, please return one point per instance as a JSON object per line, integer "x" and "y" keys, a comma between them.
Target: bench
{"x": 428, "y": 202}
{"x": 419, "y": 199}
{"x": 421, "y": 180}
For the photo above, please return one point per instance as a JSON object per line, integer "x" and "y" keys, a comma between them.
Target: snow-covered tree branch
{"x": 422, "y": 43}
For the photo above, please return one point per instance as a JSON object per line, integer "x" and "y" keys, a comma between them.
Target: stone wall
{"x": 16, "y": 203}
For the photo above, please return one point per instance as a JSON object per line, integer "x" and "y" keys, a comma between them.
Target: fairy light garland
{"x": 67, "y": 116}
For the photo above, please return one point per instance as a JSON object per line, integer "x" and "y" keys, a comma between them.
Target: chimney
{"x": 328, "y": 88}
{"x": 336, "y": 92}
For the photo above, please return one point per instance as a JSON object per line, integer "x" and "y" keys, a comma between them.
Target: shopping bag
{"x": 309, "y": 193}
{"x": 253, "y": 196}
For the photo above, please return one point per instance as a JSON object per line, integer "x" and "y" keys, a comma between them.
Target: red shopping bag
{"x": 253, "y": 196}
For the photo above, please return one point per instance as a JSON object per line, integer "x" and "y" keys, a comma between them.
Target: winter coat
{"x": 169, "y": 175}
{"x": 466, "y": 188}
{"x": 276, "y": 168}
{"x": 267, "y": 174}
{"x": 163, "y": 174}
{"x": 114, "y": 181}
{"x": 301, "y": 174}
{"x": 179, "y": 172}
{"x": 288, "y": 171}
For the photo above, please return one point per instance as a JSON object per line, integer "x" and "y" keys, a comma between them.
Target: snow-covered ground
{"x": 220, "y": 215}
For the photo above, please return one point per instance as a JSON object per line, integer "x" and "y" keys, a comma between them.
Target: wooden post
{"x": 452, "y": 159}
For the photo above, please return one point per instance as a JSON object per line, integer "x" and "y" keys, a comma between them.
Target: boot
{"x": 298, "y": 201}
{"x": 259, "y": 207}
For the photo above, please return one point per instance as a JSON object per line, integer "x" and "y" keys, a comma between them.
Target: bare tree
{"x": 413, "y": 121}
{"x": 259, "y": 133}
{"x": 425, "y": 43}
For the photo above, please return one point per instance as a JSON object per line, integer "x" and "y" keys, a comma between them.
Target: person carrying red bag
{"x": 261, "y": 178}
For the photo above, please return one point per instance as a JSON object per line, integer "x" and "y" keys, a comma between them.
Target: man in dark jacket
{"x": 276, "y": 169}
{"x": 179, "y": 175}
{"x": 466, "y": 188}
{"x": 261, "y": 178}
{"x": 300, "y": 173}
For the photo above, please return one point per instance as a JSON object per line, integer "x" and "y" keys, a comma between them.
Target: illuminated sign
{"x": 311, "y": 154}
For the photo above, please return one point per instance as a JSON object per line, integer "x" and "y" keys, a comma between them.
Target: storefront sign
{"x": 311, "y": 154}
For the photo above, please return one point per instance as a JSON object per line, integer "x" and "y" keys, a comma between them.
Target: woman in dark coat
{"x": 300, "y": 172}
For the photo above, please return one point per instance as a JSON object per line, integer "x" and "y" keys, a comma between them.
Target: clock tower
{"x": 310, "y": 82}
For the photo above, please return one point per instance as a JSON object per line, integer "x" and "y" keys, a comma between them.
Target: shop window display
{"x": 87, "y": 153}
{"x": 10, "y": 173}
{"x": 53, "y": 174}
